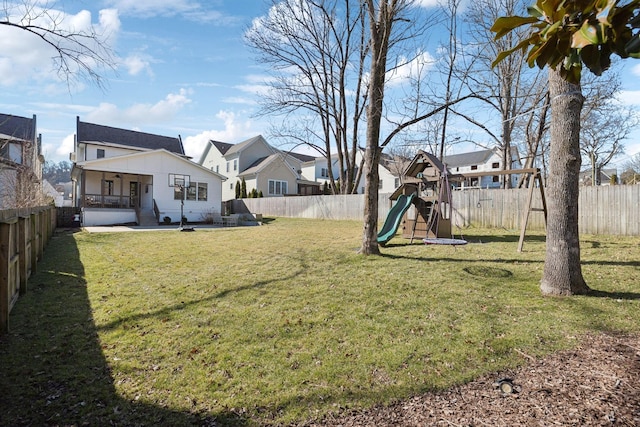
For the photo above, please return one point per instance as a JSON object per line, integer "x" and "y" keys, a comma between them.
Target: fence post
{"x": 23, "y": 262}
{"x": 34, "y": 243}
{"x": 9, "y": 274}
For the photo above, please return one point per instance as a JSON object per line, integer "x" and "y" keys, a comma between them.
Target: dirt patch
{"x": 595, "y": 384}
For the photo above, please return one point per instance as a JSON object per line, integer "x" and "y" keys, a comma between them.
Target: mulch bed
{"x": 595, "y": 384}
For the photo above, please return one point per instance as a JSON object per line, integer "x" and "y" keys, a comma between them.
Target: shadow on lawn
{"x": 53, "y": 369}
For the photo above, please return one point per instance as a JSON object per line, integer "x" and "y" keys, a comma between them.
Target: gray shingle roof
{"x": 222, "y": 147}
{"x": 300, "y": 156}
{"x": 89, "y": 132}
{"x": 467, "y": 159}
{"x": 17, "y": 127}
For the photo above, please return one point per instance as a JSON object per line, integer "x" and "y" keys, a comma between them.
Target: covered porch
{"x": 114, "y": 197}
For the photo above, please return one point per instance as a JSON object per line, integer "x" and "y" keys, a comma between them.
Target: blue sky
{"x": 182, "y": 69}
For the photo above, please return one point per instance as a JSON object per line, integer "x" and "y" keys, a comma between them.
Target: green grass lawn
{"x": 284, "y": 322}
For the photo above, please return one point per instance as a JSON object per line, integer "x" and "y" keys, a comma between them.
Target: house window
{"x": 202, "y": 191}
{"x": 324, "y": 173}
{"x": 191, "y": 191}
{"x": 217, "y": 168}
{"x": 12, "y": 152}
{"x": 108, "y": 187}
{"x": 277, "y": 187}
{"x": 496, "y": 178}
{"x": 227, "y": 166}
{"x": 495, "y": 165}
{"x": 197, "y": 191}
{"x": 177, "y": 193}
{"x": 380, "y": 184}
{"x": 231, "y": 186}
{"x": 100, "y": 153}
{"x": 396, "y": 182}
{"x": 235, "y": 165}
{"x": 474, "y": 167}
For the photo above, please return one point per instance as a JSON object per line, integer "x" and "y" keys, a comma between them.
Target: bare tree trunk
{"x": 380, "y": 28}
{"x": 562, "y": 273}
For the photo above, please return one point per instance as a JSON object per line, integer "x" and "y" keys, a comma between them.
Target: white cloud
{"x": 254, "y": 89}
{"x": 139, "y": 114}
{"x": 26, "y": 57}
{"x": 635, "y": 70}
{"x": 137, "y": 63}
{"x": 629, "y": 97}
{"x": 411, "y": 69}
{"x": 66, "y": 147}
{"x": 148, "y": 8}
{"x": 192, "y": 10}
{"x": 235, "y": 130}
{"x": 428, "y": 3}
{"x": 109, "y": 22}
{"x": 57, "y": 150}
{"x": 240, "y": 100}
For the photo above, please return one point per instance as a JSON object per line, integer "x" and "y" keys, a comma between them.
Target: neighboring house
{"x": 21, "y": 163}
{"x": 604, "y": 177}
{"x": 263, "y": 167}
{"x": 390, "y": 171}
{"x": 482, "y": 162}
{"x": 51, "y": 192}
{"x": 122, "y": 176}
{"x": 66, "y": 190}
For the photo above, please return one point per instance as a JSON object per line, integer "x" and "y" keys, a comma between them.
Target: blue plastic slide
{"x": 394, "y": 218}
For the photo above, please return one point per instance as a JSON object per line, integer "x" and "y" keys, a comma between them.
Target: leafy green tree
{"x": 238, "y": 189}
{"x": 564, "y": 36}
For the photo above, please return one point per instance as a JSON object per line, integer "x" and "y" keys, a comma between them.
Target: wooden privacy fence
{"x": 24, "y": 234}
{"x": 602, "y": 210}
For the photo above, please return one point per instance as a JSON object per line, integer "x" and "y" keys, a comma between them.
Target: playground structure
{"x": 423, "y": 201}
{"x": 427, "y": 178}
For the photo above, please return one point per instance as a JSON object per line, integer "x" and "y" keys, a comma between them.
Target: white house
{"x": 482, "y": 162}
{"x": 21, "y": 162}
{"x": 389, "y": 171}
{"x": 604, "y": 177}
{"x": 122, "y": 176}
{"x": 263, "y": 167}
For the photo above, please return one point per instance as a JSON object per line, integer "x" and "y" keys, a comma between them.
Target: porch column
{"x": 102, "y": 181}
{"x": 83, "y": 188}
{"x": 121, "y": 194}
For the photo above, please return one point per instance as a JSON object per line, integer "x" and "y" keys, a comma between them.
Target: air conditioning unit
{"x": 72, "y": 157}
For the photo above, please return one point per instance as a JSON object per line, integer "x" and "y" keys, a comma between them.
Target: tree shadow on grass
{"x": 629, "y": 296}
{"x": 53, "y": 369}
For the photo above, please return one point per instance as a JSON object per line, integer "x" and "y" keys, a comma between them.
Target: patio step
{"x": 147, "y": 218}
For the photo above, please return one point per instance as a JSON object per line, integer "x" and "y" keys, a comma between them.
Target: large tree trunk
{"x": 562, "y": 273}
{"x": 370, "y": 227}
{"x": 380, "y": 28}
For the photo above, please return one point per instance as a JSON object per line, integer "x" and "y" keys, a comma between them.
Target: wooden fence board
{"x": 602, "y": 210}
{"x": 23, "y": 236}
